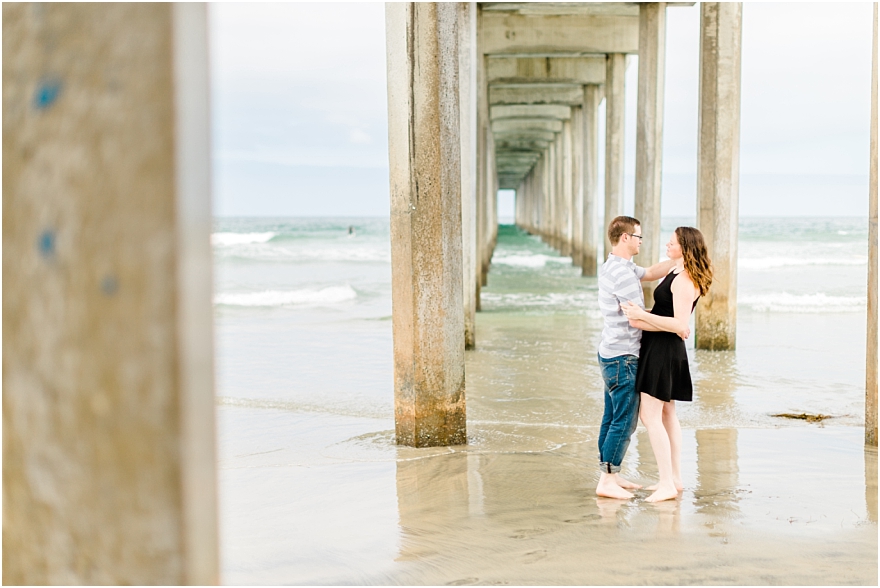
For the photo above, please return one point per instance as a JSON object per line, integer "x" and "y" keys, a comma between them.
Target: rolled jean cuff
{"x": 608, "y": 468}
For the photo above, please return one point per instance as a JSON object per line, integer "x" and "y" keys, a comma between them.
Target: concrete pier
{"x": 577, "y": 186}
{"x": 718, "y": 167}
{"x": 426, "y": 235}
{"x": 589, "y": 231}
{"x": 649, "y": 132}
{"x": 109, "y": 468}
{"x": 467, "y": 98}
{"x": 871, "y": 355}
{"x": 615, "y": 103}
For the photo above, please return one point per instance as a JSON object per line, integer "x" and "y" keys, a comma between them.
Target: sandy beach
{"x": 320, "y": 494}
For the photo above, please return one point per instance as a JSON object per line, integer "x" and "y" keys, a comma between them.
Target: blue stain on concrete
{"x": 109, "y": 285}
{"x": 47, "y": 93}
{"x": 46, "y": 243}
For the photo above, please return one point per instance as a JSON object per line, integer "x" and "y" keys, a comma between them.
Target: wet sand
{"x": 327, "y": 498}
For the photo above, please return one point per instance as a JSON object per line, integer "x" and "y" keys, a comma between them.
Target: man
{"x": 619, "y": 282}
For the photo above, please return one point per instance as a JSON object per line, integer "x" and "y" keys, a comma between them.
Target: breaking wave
{"x": 538, "y": 260}
{"x": 331, "y": 295}
{"x": 227, "y": 239}
{"x": 803, "y": 303}
{"x": 776, "y": 262}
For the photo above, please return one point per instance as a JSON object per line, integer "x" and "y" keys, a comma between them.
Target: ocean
{"x": 313, "y": 489}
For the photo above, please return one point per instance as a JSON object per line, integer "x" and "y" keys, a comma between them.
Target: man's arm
{"x": 658, "y": 270}
{"x": 643, "y": 325}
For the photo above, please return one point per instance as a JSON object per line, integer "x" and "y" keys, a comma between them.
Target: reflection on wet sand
{"x": 717, "y": 473}
{"x": 871, "y": 482}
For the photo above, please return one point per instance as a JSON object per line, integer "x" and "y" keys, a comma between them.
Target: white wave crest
{"x": 272, "y": 252}
{"x": 331, "y": 295}
{"x": 803, "y": 303}
{"x": 537, "y": 260}
{"x": 226, "y": 239}
{"x": 762, "y": 263}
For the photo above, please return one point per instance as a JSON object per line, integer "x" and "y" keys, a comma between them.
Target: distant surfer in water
{"x": 351, "y": 232}
{"x": 619, "y": 283}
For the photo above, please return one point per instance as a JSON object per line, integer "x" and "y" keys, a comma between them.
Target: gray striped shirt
{"x": 619, "y": 282}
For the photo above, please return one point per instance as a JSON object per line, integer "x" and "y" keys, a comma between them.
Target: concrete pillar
{"x": 567, "y": 189}
{"x": 649, "y": 132}
{"x": 483, "y": 132}
{"x": 577, "y": 188}
{"x": 109, "y": 472}
{"x": 490, "y": 221}
{"x": 718, "y": 167}
{"x": 549, "y": 193}
{"x": 871, "y": 371}
{"x": 591, "y": 179}
{"x": 426, "y": 255}
{"x": 467, "y": 66}
{"x": 615, "y": 102}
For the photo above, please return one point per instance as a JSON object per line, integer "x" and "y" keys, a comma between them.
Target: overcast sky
{"x": 300, "y": 115}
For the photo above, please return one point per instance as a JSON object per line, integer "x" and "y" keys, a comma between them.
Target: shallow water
{"x": 314, "y": 491}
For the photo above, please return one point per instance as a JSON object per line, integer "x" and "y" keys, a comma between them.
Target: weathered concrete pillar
{"x": 577, "y": 186}
{"x": 467, "y": 66}
{"x": 567, "y": 195}
{"x": 426, "y": 255}
{"x": 491, "y": 221}
{"x": 615, "y": 103}
{"x": 871, "y": 371}
{"x": 109, "y": 472}
{"x": 649, "y": 132}
{"x": 549, "y": 193}
{"x": 718, "y": 167}
{"x": 591, "y": 178}
{"x": 483, "y": 133}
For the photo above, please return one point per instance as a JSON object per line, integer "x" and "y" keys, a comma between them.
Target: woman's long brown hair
{"x": 696, "y": 258}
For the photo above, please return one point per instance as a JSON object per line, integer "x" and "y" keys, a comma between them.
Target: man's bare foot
{"x": 609, "y": 489}
{"x": 624, "y": 483}
{"x": 663, "y": 492}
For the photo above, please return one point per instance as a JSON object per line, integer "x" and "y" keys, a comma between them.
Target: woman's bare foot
{"x": 678, "y": 486}
{"x": 663, "y": 492}
{"x": 609, "y": 489}
{"x": 624, "y": 483}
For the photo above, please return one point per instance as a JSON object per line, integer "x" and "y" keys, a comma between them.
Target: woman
{"x": 664, "y": 375}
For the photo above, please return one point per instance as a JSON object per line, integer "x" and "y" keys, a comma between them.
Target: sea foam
{"x": 331, "y": 295}
{"x": 803, "y": 303}
{"x": 538, "y": 260}
{"x": 227, "y": 239}
{"x": 763, "y": 263}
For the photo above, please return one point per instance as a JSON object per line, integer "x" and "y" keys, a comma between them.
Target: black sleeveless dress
{"x": 663, "y": 364}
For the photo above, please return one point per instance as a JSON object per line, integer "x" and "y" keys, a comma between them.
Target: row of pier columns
{"x": 109, "y": 465}
{"x": 524, "y": 96}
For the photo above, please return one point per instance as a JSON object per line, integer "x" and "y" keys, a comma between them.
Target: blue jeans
{"x": 621, "y": 410}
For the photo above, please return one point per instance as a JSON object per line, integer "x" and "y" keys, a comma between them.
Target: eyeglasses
{"x": 639, "y": 237}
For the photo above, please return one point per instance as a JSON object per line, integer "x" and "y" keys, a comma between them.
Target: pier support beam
{"x": 467, "y": 67}
{"x": 649, "y": 132}
{"x": 871, "y": 371}
{"x": 589, "y": 234}
{"x": 577, "y": 186}
{"x": 718, "y": 167}
{"x": 109, "y": 467}
{"x": 426, "y": 253}
{"x": 615, "y": 102}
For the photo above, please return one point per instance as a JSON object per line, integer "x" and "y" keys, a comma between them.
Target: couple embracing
{"x": 642, "y": 355}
